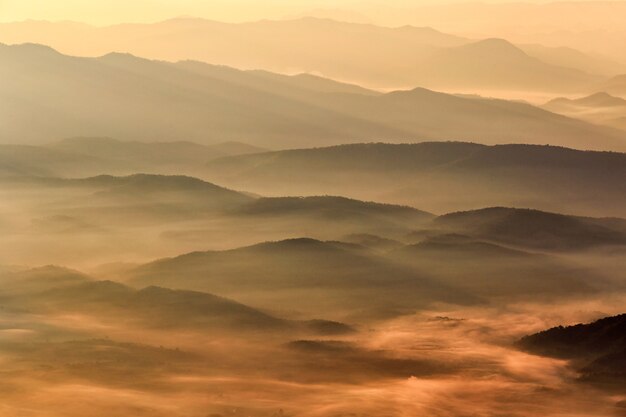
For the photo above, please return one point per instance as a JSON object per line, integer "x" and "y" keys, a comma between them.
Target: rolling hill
{"x": 495, "y": 271}
{"x": 535, "y": 229}
{"x": 597, "y": 350}
{"x": 111, "y": 201}
{"x": 110, "y": 219}
{"x": 301, "y": 275}
{"x": 84, "y": 157}
{"x": 166, "y": 188}
{"x": 439, "y": 176}
{"x": 58, "y": 291}
{"x": 99, "y": 205}
{"x": 28, "y": 160}
{"x": 340, "y": 210}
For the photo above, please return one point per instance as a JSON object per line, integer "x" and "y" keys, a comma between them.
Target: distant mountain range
{"x": 396, "y": 259}
{"x": 163, "y": 199}
{"x": 600, "y": 108}
{"x": 592, "y": 26}
{"x": 501, "y": 253}
{"x": 55, "y": 96}
{"x": 439, "y": 177}
{"x": 84, "y": 157}
{"x": 363, "y": 53}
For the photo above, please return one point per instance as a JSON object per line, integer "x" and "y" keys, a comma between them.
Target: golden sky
{"x": 102, "y": 12}
{"x": 115, "y": 11}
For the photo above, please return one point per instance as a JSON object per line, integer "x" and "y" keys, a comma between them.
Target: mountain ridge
{"x": 134, "y": 101}
{"x": 334, "y": 50}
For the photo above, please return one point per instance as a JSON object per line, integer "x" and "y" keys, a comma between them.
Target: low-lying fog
{"x": 436, "y": 362}
{"x": 170, "y": 296}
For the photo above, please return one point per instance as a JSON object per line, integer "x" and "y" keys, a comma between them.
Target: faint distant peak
{"x": 600, "y": 99}
{"x": 494, "y": 46}
{"x": 191, "y": 20}
{"x": 121, "y": 57}
{"x": 302, "y": 244}
{"x": 32, "y": 48}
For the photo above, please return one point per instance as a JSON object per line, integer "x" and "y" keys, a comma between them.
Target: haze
{"x": 115, "y": 11}
{"x": 312, "y": 209}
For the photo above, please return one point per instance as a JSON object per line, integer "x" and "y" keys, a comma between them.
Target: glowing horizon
{"x": 103, "y": 13}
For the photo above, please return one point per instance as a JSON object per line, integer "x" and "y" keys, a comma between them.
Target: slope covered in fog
{"x": 600, "y": 108}
{"x": 54, "y": 290}
{"x": 83, "y": 157}
{"x": 536, "y": 229}
{"x": 338, "y": 209}
{"x": 111, "y": 218}
{"x": 498, "y": 272}
{"x": 338, "y": 276}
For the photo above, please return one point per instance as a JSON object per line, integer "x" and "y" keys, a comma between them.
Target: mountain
{"x": 55, "y": 290}
{"x": 443, "y": 117}
{"x": 599, "y": 108}
{"x": 293, "y": 86}
{"x": 497, "y": 64}
{"x": 594, "y": 100}
{"x": 597, "y": 350}
{"x": 328, "y": 217}
{"x": 104, "y": 203}
{"x": 594, "y": 27}
{"x": 492, "y": 270}
{"x": 110, "y": 219}
{"x": 138, "y": 99}
{"x": 334, "y": 208}
{"x": 535, "y": 229}
{"x": 39, "y": 279}
{"x": 385, "y": 57}
{"x": 79, "y": 203}
{"x": 143, "y": 186}
{"x": 461, "y": 246}
{"x": 439, "y": 176}
{"x": 572, "y": 58}
{"x": 26, "y": 160}
{"x": 135, "y": 199}
{"x": 155, "y": 157}
{"x": 154, "y": 306}
{"x": 379, "y": 243}
{"x": 615, "y": 85}
{"x": 83, "y": 157}
{"x": 300, "y": 275}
